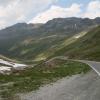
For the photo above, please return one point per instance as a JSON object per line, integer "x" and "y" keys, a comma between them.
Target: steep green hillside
{"x": 34, "y": 48}
{"x": 37, "y": 42}
{"x": 86, "y": 47}
{"x": 42, "y": 48}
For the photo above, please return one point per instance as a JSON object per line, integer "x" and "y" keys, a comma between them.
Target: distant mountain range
{"x": 57, "y": 37}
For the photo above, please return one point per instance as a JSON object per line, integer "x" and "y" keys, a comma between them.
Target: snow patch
{"x": 6, "y": 66}
{"x": 78, "y": 36}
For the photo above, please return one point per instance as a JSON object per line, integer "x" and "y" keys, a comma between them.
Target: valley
{"x": 29, "y": 56}
{"x": 27, "y": 42}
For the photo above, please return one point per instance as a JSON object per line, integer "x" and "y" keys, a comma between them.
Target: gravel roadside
{"x": 77, "y": 87}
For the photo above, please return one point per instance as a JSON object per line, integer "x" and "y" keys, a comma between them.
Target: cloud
{"x": 93, "y": 9}
{"x": 40, "y": 11}
{"x": 55, "y": 12}
{"x": 13, "y": 11}
{"x": 5, "y": 2}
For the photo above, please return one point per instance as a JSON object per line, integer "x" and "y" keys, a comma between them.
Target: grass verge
{"x": 33, "y": 78}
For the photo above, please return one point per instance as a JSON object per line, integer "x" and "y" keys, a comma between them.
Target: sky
{"x": 41, "y": 11}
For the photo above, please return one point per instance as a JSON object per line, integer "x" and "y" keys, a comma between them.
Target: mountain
{"x": 86, "y": 47}
{"x": 69, "y": 25}
{"x": 33, "y": 50}
{"x": 39, "y": 41}
{"x": 14, "y": 34}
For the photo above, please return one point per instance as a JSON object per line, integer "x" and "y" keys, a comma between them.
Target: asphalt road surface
{"x": 94, "y": 65}
{"x": 77, "y": 87}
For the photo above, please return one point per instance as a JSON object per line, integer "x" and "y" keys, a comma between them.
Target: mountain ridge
{"x": 29, "y": 41}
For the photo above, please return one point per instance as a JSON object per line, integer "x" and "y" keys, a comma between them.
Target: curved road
{"x": 93, "y": 64}
{"x": 77, "y": 87}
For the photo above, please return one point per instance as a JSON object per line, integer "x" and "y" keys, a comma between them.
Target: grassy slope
{"x": 22, "y": 41}
{"x": 34, "y": 48}
{"x": 42, "y": 48}
{"x": 33, "y": 78}
{"x": 86, "y": 47}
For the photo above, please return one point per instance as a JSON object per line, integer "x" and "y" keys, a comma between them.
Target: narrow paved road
{"x": 93, "y": 64}
{"x": 77, "y": 87}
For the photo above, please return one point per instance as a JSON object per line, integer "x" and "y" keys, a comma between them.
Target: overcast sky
{"x": 40, "y": 11}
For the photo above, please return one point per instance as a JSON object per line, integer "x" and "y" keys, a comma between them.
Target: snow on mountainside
{"x": 6, "y": 67}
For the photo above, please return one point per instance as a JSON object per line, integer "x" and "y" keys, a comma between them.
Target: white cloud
{"x": 56, "y": 11}
{"x": 39, "y": 11}
{"x": 5, "y": 2}
{"x": 20, "y": 10}
{"x": 93, "y": 9}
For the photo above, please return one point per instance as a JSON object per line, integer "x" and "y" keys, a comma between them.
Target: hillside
{"x": 86, "y": 47}
{"x": 39, "y": 41}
